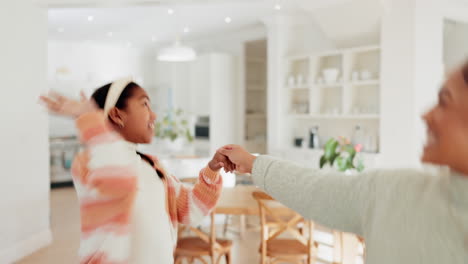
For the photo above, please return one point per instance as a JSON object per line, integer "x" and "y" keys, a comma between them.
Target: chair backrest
{"x": 209, "y": 238}
{"x": 276, "y": 219}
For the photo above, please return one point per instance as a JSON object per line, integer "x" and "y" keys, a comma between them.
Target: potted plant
{"x": 174, "y": 129}
{"x": 342, "y": 153}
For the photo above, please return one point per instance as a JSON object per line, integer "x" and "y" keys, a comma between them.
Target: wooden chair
{"x": 277, "y": 220}
{"x": 193, "y": 181}
{"x": 202, "y": 245}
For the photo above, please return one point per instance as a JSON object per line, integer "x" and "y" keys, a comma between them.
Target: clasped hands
{"x": 232, "y": 158}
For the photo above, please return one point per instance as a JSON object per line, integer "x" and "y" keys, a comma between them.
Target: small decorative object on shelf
{"x": 366, "y": 75}
{"x": 331, "y": 75}
{"x": 314, "y": 138}
{"x": 342, "y": 153}
{"x": 298, "y": 142}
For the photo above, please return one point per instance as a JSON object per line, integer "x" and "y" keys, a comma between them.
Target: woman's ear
{"x": 117, "y": 117}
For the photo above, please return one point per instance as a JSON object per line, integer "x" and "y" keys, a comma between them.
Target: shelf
{"x": 256, "y": 90}
{"x": 64, "y": 176}
{"x": 298, "y": 57}
{"x": 363, "y": 116}
{"x": 299, "y": 88}
{"x": 329, "y": 85}
{"x": 333, "y": 53}
{"x": 256, "y": 60}
{"x": 364, "y": 49}
{"x": 324, "y": 116}
{"x": 366, "y": 82}
{"x": 255, "y": 141}
{"x": 255, "y": 116}
{"x": 300, "y": 116}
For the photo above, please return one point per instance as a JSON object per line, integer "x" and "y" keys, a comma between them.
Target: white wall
{"x": 223, "y": 130}
{"x": 428, "y": 64}
{"x": 89, "y": 66}
{"x": 350, "y": 23}
{"x": 412, "y": 72}
{"x": 455, "y": 44}
{"x": 24, "y": 153}
{"x": 287, "y": 35}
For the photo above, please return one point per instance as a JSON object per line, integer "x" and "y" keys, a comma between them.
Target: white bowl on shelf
{"x": 366, "y": 75}
{"x": 331, "y": 75}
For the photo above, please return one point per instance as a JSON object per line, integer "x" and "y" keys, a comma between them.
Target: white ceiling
{"x": 139, "y": 21}
{"x": 351, "y": 23}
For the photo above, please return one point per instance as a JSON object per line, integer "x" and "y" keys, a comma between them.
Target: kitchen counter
{"x": 310, "y": 158}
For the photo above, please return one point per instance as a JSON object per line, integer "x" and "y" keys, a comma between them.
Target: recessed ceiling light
{"x": 90, "y": 18}
{"x": 153, "y": 38}
{"x": 278, "y": 7}
{"x": 227, "y": 20}
{"x": 186, "y": 30}
{"x": 60, "y": 29}
{"x": 170, "y": 11}
{"x": 110, "y": 34}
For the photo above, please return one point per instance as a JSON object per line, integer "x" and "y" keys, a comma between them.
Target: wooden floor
{"x": 65, "y": 229}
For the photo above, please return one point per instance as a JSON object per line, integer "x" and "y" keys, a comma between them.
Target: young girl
{"x": 130, "y": 206}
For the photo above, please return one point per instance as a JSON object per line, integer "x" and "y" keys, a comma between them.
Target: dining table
{"x": 238, "y": 201}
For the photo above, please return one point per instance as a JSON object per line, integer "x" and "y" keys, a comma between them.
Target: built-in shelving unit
{"x": 332, "y": 90}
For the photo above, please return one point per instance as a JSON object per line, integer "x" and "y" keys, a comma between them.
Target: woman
{"x": 405, "y": 216}
{"x": 130, "y": 206}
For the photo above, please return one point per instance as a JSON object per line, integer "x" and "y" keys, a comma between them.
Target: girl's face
{"x": 447, "y": 125}
{"x": 137, "y": 118}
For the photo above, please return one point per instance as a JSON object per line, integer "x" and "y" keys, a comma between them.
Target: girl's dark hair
{"x": 100, "y": 95}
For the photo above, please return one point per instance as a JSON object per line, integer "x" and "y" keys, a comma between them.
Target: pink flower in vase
{"x": 347, "y": 141}
{"x": 343, "y": 141}
{"x": 358, "y": 148}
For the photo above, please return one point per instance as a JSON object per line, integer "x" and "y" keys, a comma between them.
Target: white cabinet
{"x": 222, "y": 86}
{"x": 199, "y": 85}
{"x": 212, "y": 89}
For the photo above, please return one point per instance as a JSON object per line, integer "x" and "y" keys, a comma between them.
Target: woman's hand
{"x": 241, "y": 158}
{"x": 221, "y": 161}
{"x": 64, "y": 106}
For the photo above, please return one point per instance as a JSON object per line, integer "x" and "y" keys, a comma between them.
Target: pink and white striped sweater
{"x": 106, "y": 183}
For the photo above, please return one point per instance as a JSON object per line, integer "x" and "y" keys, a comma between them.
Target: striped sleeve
{"x": 196, "y": 202}
{"x": 111, "y": 169}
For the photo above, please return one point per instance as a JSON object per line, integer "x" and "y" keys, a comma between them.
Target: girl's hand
{"x": 64, "y": 106}
{"x": 220, "y": 161}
